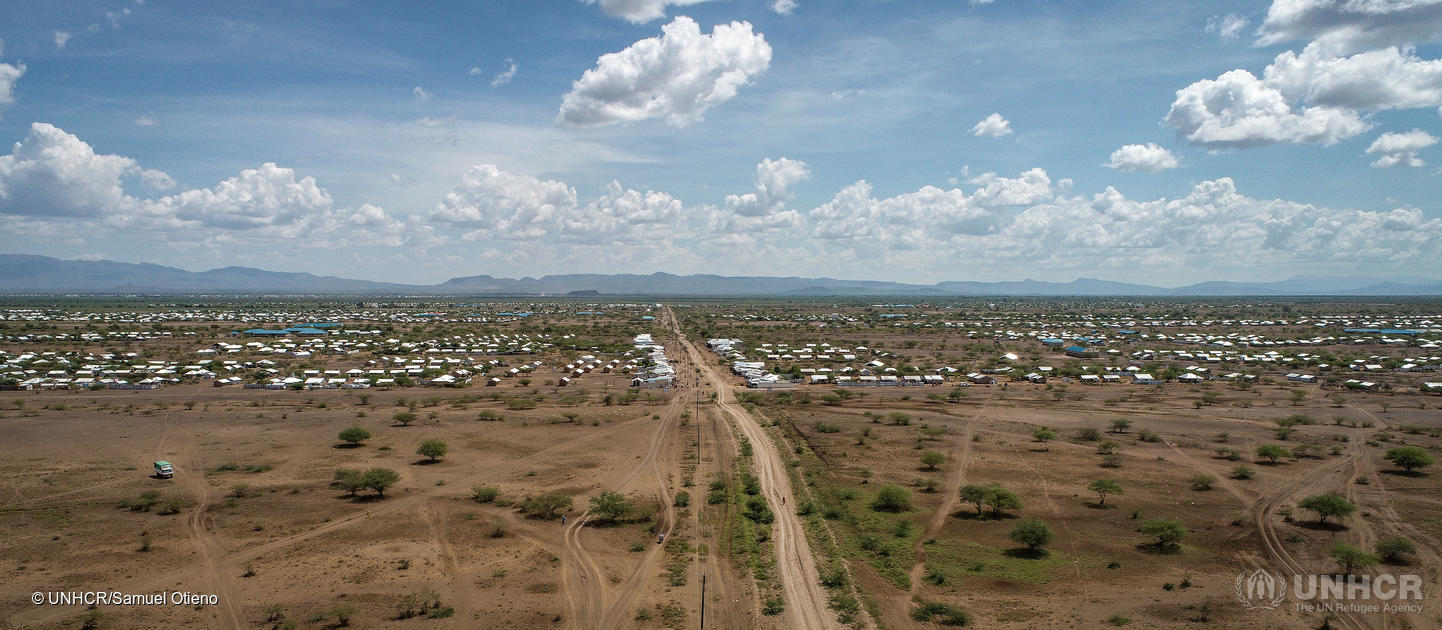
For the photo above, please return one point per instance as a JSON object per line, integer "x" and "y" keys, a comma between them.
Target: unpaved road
{"x": 212, "y": 551}
{"x": 795, "y": 566}
{"x": 959, "y": 458}
{"x": 593, "y": 600}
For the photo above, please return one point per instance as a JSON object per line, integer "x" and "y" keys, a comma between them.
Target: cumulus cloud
{"x": 1344, "y": 26}
{"x": 9, "y": 74}
{"x": 1034, "y": 186}
{"x": 506, "y": 75}
{"x": 1400, "y": 149}
{"x": 52, "y": 173}
{"x": 774, "y": 179}
{"x": 60, "y": 38}
{"x": 1359, "y": 58}
{"x": 1213, "y": 227}
{"x": 1227, "y": 26}
{"x": 639, "y": 11}
{"x": 930, "y": 215}
{"x": 496, "y": 204}
{"x": 269, "y": 197}
{"x": 156, "y": 180}
{"x": 146, "y": 121}
{"x": 1387, "y": 78}
{"x": 1147, "y": 158}
{"x": 783, "y": 7}
{"x": 620, "y": 214}
{"x": 677, "y": 76}
{"x": 993, "y": 126}
{"x": 54, "y": 178}
{"x": 421, "y": 94}
{"x": 1218, "y": 227}
{"x": 1238, "y": 110}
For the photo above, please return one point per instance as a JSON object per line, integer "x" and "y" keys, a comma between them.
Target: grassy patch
{"x": 960, "y": 558}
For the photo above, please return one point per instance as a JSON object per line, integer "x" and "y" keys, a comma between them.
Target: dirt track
{"x": 795, "y": 566}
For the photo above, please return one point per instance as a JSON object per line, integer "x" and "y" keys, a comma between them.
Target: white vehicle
{"x": 164, "y": 470}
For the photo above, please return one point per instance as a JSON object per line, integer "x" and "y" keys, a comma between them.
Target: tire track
{"x": 806, "y": 602}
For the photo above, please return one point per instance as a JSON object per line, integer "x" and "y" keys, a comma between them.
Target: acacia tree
{"x": 932, "y": 459}
{"x": 1168, "y": 531}
{"x": 379, "y": 479}
{"x": 350, "y": 480}
{"x": 1033, "y": 533}
{"x": 354, "y": 436}
{"x": 610, "y": 506}
{"x": 1392, "y": 550}
{"x": 432, "y": 448}
{"x": 1328, "y": 504}
{"x": 1272, "y": 452}
{"x": 892, "y": 498}
{"x": 1000, "y": 499}
{"x": 1044, "y": 435}
{"x": 1104, "y": 487}
{"x": 1409, "y": 457}
{"x": 1351, "y": 558}
{"x": 544, "y": 505}
{"x": 974, "y": 494}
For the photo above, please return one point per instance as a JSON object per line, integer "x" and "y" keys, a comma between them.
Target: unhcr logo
{"x": 1260, "y": 590}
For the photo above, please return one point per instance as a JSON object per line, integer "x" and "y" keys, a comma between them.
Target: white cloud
{"x": 774, "y": 179}
{"x": 113, "y": 17}
{"x": 639, "y": 11}
{"x": 156, "y": 180}
{"x": 1213, "y": 230}
{"x": 994, "y": 126}
{"x": 1034, "y": 186}
{"x": 1387, "y": 78}
{"x": 1148, "y": 158}
{"x": 475, "y": 71}
{"x": 53, "y": 178}
{"x": 783, "y": 7}
{"x": 421, "y": 94}
{"x": 60, "y": 38}
{"x": 1400, "y": 149}
{"x": 52, "y": 173}
{"x": 498, "y": 204}
{"x": 677, "y": 76}
{"x": 1238, "y": 110}
{"x": 269, "y": 198}
{"x": 146, "y": 121}
{"x": 1227, "y": 26}
{"x": 9, "y": 74}
{"x": 620, "y": 214}
{"x": 1344, "y": 26}
{"x": 505, "y": 76}
{"x": 930, "y": 215}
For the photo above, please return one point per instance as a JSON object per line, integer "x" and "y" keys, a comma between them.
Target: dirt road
{"x": 212, "y": 551}
{"x": 795, "y": 566}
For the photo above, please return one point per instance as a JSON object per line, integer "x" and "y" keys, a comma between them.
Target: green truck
{"x": 163, "y": 469}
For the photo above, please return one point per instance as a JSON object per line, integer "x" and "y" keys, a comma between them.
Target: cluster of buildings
{"x": 654, "y": 371}
{"x": 68, "y": 370}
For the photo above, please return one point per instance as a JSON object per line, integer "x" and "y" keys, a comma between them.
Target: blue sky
{"x": 1167, "y": 142}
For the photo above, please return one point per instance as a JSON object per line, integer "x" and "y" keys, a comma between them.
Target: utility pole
{"x": 703, "y": 601}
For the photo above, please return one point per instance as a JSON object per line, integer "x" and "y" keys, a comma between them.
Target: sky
{"x": 1163, "y": 142}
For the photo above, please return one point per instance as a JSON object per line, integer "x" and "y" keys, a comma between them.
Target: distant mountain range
{"x": 25, "y": 274}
